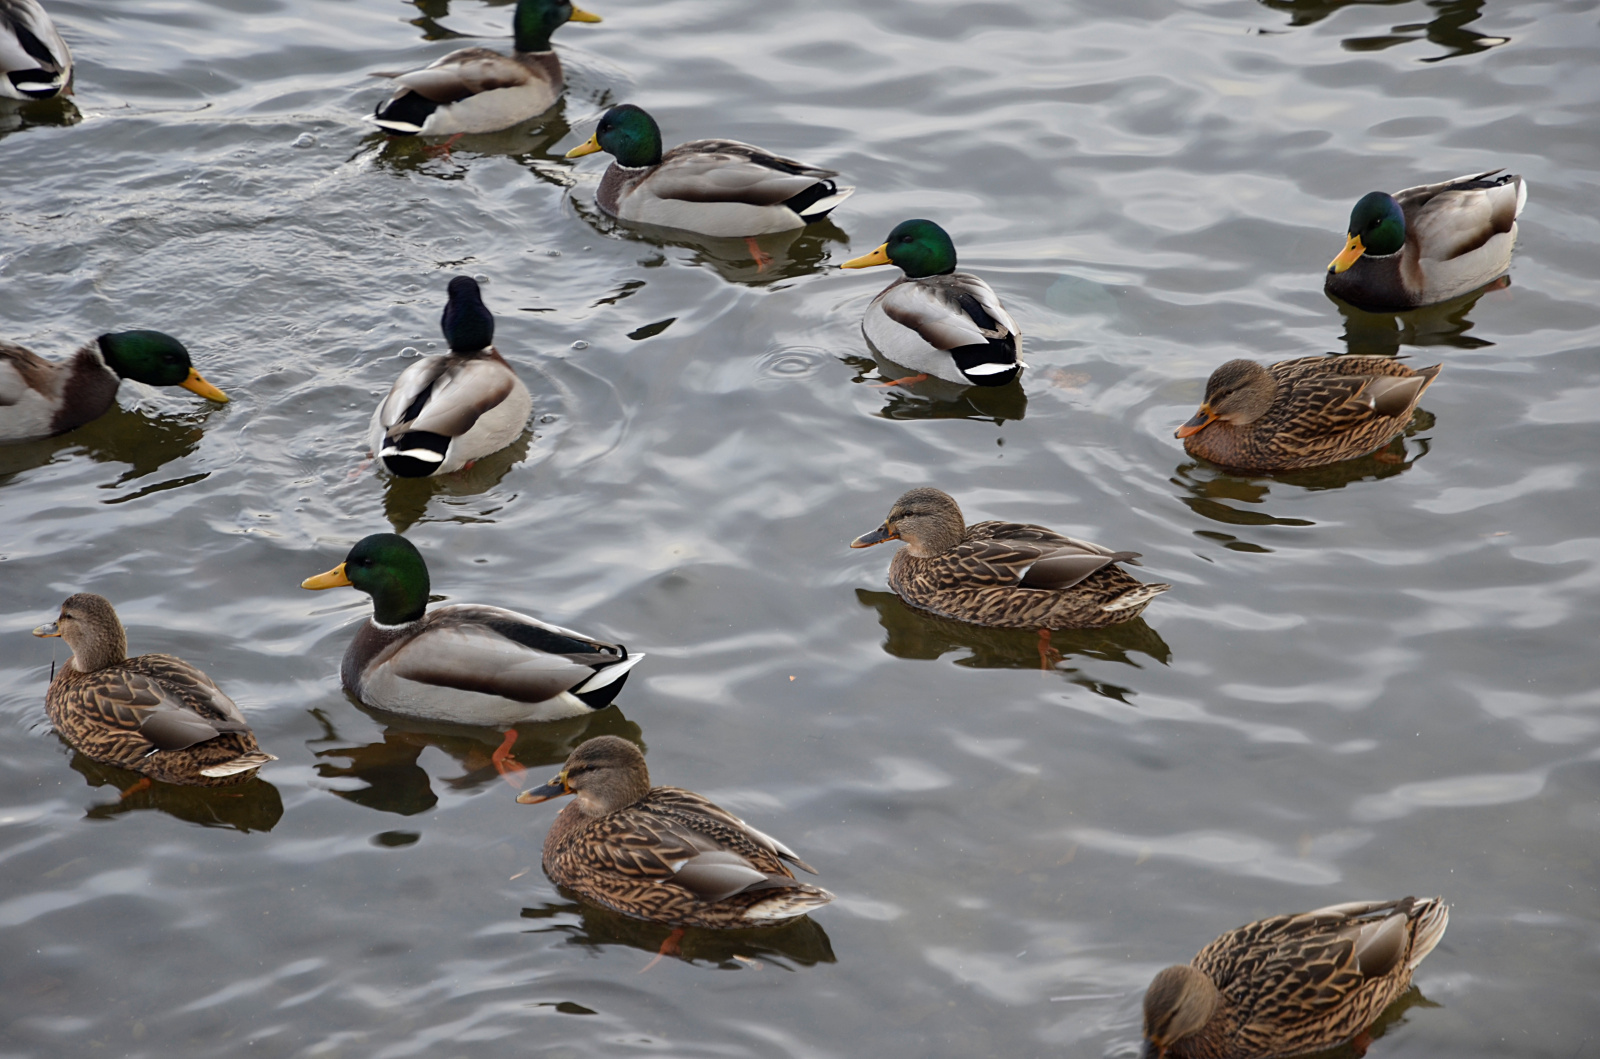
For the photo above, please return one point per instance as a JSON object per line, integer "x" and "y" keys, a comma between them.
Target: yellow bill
{"x": 580, "y": 15}
{"x": 1353, "y": 249}
{"x": 589, "y": 146}
{"x": 879, "y": 256}
{"x": 196, "y": 384}
{"x": 334, "y": 578}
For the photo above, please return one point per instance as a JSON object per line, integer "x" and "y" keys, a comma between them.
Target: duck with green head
{"x": 712, "y": 187}
{"x": 934, "y": 320}
{"x": 41, "y": 398}
{"x": 1427, "y": 244}
{"x": 480, "y": 90}
{"x": 466, "y": 663}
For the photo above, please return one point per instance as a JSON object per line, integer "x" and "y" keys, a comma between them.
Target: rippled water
{"x": 1369, "y": 681}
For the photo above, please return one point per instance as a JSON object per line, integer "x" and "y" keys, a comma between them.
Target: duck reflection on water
{"x": 1448, "y": 27}
{"x": 934, "y": 398}
{"x": 406, "y": 500}
{"x": 796, "y": 943}
{"x": 145, "y": 442}
{"x": 254, "y": 805}
{"x": 1446, "y": 324}
{"x": 396, "y": 782}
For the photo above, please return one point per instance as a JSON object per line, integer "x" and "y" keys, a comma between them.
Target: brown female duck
{"x": 1291, "y": 984}
{"x": 155, "y": 714}
{"x": 1005, "y": 574}
{"x": 1302, "y": 413}
{"x": 663, "y": 853}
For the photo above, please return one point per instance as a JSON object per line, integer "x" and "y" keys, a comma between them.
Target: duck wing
{"x": 1319, "y": 396}
{"x": 730, "y": 171}
{"x": 33, "y": 58}
{"x": 22, "y": 370}
{"x": 950, "y": 311}
{"x": 1024, "y": 555}
{"x": 463, "y": 73}
{"x": 445, "y": 395}
{"x": 501, "y": 652}
{"x": 1455, "y": 217}
{"x": 166, "y": 700}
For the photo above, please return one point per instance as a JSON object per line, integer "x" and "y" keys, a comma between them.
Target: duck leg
{"x": 143, "y": 785}
{"x": 1362, "y": 1042}
{"x": 669, "y": 947}
{"x": 907, "y": 381}
{"x": 508, "y": 767}
{"x": 435, "y": 150}
{"x": 1048, "y": 655}
{"x": 760, "y": 256}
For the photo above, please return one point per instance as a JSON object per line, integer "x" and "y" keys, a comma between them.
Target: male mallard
{"x": 713, "y": 187}
{"x": 663, "y": 853}
{"x": 444, "y": 412}
{"x": 1427, "y": 244}
{"x": 935, "y": 320}
{"x": 465, "y": 663}
{"x": 1291, "y": 984}
{"x": 41, "y": 398}
{"x": 35, "y": 63}
{"x": 155, "y": 714}
{"x": 479, "y": 90}
{"x": 1005, "y": 574}
{"x": 1302, "y": 413}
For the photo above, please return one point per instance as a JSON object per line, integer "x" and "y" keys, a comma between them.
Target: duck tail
{"x": 789, "y": 902}
{"x": 242, "y": 763}
{"x": 1430, "y": 916}
{"x": 819, "y": 200}
{"x": 1138, "y": 596}
{"x": 598, "y": 691}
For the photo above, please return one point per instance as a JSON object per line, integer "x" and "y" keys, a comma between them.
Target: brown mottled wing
{"x": 168, "y": 702}
{"x": 1012, "y": 553}
{"x": 464, "y": 73}
{"x": 1318, "y": 406}
{"x": 730, "y": 171}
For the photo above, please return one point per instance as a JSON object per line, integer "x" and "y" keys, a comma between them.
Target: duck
{"x": 1302, "y": 413}
{"x": 467, "y": 663}
{"x": 481, "y": 90}
{"x": 443, "y": 413}
{"x": 709, "y": 187}
{"x": 155, "y": 714}
{"x": 1429, "y": 243}
{"x": 1006, "y": 575}
{"x": 35, "y": 63}
{"x": 41, "y": 398}
{"x": 935, "y": 320}
{"x": 664, "y": 854}
{"x": 1291, "y": 984}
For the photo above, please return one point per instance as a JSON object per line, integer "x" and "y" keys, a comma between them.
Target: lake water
{"x": 1368, "y": 681}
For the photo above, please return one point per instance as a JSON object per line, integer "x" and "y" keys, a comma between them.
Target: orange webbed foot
{"x": 669, "y": 947}
{"x": 508, "y": 767}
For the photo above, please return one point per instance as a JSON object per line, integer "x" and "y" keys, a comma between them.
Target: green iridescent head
{"x": 155, "y": 359}
{"x": 388, "y": 568}
{"x": 1377, "y": 227}
{"x": 626, "y": 133}
{"x": 918, "y": 247}
{"x": 535, "y": 20}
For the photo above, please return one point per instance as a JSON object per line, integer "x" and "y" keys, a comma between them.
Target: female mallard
{"x": 479, "y": 90}
{"x": 713, "y": 187}
{"x": 465, "y": 663}
{"x": 935, "y": 320}
{"x": 155, "y": 714}
{"x": 1006, "y": 574}
{"x": 1427, "y": 244}
{"x": 35, "y": 63}
{"x": 663, "y": 853}
{"x": 444, "y": 412}
{"x": 1302, "y": 413}
{"x": 1291, "y": 984}
{"x": 41, "y": 398}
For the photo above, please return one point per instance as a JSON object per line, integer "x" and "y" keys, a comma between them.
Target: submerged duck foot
{"x": 1048, "y": 655}
{"x": 669, "y": 947}
{"x": 907, "y": 381}
{"x": 442, "y": 150}
{"x": 143, "y": 785}
{"x": 509, "y": 768}
{"x": 758, "y": 255}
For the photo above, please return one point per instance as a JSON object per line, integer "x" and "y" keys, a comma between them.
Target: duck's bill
{"x": 1353, "y": 249}
{"x": 1199, "y": 422}
{"x": 48, "y": 629}
{"x": 589, "y": 146}
{"x": 879, "y": 256}
{"x": 877, "y": 536}
{"x": 580, "y": 15}
{"x": 334, "y": 578}
{"x": 554, "y": 789}
{"x": 195, "y": 383}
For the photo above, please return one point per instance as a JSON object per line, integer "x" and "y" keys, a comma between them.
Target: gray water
{"x": 1368, "y": 681}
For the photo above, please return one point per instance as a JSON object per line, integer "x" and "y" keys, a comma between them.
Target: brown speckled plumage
{"x": 155, "y": 714}
{"x": 663, "y": 853}
{"x": 1005, "y": 574}
{"x": 1291, "y": 984}
{"x": 1309, "y": 412}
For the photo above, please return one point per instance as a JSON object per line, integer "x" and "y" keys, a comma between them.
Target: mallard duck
{"x": 479, "y": 90}
{"x": 41, "y": 398}
{"x": 713, "y": 187}
{"x": 935, "y": 320}
{"x": 35, "y": 63}
{"x": 444, "y": 412}
{"x": 1006, "y": 574}
{"x": 663, "y": 853}
{"x": 465, "y": 663}
{"x": 155, "y": 714}
{"x": 1427, "y": 244}
{"x": 1291, "y": 984}
{"x": 1302, "y": 413}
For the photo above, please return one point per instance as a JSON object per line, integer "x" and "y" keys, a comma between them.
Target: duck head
{"x": 1239, "y": 392}
{"x": 535, "y": 20}
{"x": 918, "y": 247}
{"x": 628, "y": 134}
{"x": 927, "y": 519}
{"x": 604, "y": 774}
{"x": 388, "y": 568}
{"x": 92, "y": 629}
{"x": 155, "y": 359}
{"x": 1178, "y": 1004}
{"x": 467, "y": 323}
{"x": 1377, "y": 227}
